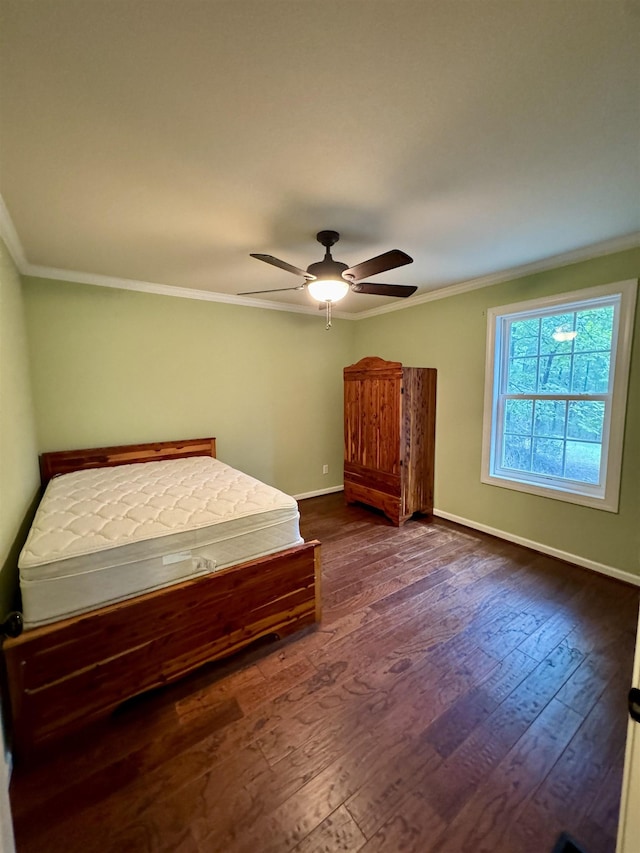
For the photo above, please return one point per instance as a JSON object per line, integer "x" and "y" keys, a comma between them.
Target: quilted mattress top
{"x": 89, "y": 511}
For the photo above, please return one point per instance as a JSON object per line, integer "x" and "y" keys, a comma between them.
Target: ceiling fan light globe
{"x": 328, "y": 289}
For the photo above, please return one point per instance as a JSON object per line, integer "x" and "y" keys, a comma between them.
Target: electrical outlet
{"x": 325, "y": 469}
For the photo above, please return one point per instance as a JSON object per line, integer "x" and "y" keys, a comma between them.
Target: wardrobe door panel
{"x": 388, "y": 437}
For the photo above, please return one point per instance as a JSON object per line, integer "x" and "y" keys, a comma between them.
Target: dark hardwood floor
{"x": 461, "y": 694}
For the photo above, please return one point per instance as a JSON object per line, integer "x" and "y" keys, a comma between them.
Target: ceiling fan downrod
{"x": 327, "y": 239}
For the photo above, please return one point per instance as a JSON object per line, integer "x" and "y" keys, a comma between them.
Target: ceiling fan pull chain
{"x": 328, "y": 314}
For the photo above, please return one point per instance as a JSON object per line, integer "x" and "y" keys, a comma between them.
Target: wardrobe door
{"x": 373, "y": 434}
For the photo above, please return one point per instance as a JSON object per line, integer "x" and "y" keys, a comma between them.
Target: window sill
{"x": 555, "y": 493}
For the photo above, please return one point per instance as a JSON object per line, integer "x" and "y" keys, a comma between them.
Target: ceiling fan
{"x": 329, "y": 280}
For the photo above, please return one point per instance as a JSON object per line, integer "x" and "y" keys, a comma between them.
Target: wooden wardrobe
{"x": 389, "y": 437}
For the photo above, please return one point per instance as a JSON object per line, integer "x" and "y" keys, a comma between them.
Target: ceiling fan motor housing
{"x": 327, "y": 269}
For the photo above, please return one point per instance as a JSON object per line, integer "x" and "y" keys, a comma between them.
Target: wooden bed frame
{"x": 63, "y": 675}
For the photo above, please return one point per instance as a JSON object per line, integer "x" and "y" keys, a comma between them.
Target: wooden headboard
{"x": 65, "y": 461}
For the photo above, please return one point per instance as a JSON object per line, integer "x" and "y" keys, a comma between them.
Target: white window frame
{"x": 604, "y": 495}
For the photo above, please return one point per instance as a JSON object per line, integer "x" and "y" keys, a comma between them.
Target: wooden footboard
{"x": 63, "y": 675}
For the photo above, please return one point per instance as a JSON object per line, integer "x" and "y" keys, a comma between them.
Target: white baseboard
{"x": 319, "y": 492}
{"x": 585, "y": 563}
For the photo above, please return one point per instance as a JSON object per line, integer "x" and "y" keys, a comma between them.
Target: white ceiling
{"x": 162, "y": 141}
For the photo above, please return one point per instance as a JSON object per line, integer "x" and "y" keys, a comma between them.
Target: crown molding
{"x": 10, "y": 236}
{"x": 167, "y": 290}
{"x": 585, "y": 253}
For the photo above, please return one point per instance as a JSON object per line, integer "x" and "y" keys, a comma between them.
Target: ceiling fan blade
{"x": 277, "y": 290}
{"x": 381, "y": 263}
{"x": 283, "y": 265}
{"x": 401, "y": 290}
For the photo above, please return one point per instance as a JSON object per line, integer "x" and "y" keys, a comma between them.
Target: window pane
{"x": 524, "y": 338}
{"x": 517, "y": 453}
{"x": 556, "y": 334}
{"x": 555, "y": 374}
{"x": 553, "y": 419}
{"x": 547, "y": 456}
{"x": 591, "y": 373}
{"x": 585, "y": 420}
{"x": 583, "y": 462}
{"x": 522, "y": 375}
{"x": 550, "y": 418}
{"x": 517, "y": 416}
{"x": 594, "y": 328}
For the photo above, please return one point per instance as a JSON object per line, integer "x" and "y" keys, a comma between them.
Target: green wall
{"x": 19, "y": 478}
{"x": 450, "y": 335}
{"x": 112, "y": 366}
{"x": 115, "y": 366}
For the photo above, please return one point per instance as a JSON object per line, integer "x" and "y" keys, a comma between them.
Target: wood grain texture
{"x": 71, "y": 672}
{"x": 389, "y": 437}
{"x": 448, "y": 710}
{"x": 67, "y": 674}
{"x": 66, "y": 461}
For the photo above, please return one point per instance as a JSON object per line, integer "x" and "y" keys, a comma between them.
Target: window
{"x": 555, "y": 397}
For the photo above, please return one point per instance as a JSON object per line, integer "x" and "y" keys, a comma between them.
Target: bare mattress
{"x": 106, "y": 534}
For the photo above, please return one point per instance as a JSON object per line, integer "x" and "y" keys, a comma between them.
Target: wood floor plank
{"x": 55, "y": 801}
{"x": 181, "y": 793}
{"x": 386, "y": 681}
{"x": 453, "y": 727}
{"x": 338, "y": 832}
{"x": 589, "y": 756}
{"x": 311, "y": 640}
{"x": 461, "y": 693}
{"x": 375, "y": 798}
{"x": 286, "y": 678}
{"x": 307, "y": 808}
{"x": 485, "y": 823}
{"x": 475, "y": 759}
{"x": 324, "y": 767}
{"x": 378, "y": 798}
{"x": 548, "y": 635}
{"x": 409, "y": 830}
